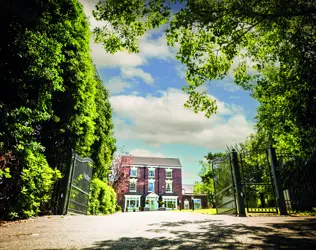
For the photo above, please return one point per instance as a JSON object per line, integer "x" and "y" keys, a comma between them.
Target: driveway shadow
{"x": 213, "y": 234}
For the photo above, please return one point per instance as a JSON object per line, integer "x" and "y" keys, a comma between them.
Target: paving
{"x": 159, "y": 230}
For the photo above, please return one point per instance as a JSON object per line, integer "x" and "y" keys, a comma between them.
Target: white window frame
{"x": 186, "y": 204}
{"x": 151, "y": 182}
{"x": 149, "y": 170}
{"x": 135, "y": 183}
{"x": 173, "y": 200}
{"x": 197, "y": 201}
{"x": 133, "y": 169}
{"x": 169, "y": 170}
{"x": 170, "y": 183}
{"x": 129, "y": 198}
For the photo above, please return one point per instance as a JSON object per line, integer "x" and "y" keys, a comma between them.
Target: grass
{"x": 198, "y": 211}
{"x": 213, "y": 211}
{"x": 205, "y": 211}
{"x": 257, "y": 212}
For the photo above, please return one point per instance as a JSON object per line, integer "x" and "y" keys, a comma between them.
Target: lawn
{"x": 198, "y": 211}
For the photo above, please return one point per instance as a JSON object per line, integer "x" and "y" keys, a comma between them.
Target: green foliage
{"x": 34, "y": 180}
{"x": 221, "y": 173}
{"x": 51, "y": 101}
{"x": 5, "y": 173}
{"x": 118, "y": 208}
{"x": 268, "y": 46}
{"x": 37, "y": 180}
{"x": 206, "y": 187}
{"x": 103, "y": 147}
{"x": 129, "y": 19}
{"x": 102, "y": 198}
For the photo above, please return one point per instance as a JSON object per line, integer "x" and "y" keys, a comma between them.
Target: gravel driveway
{"x": 160, "y": 230}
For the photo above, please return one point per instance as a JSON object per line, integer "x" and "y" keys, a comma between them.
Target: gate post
{"x": 240, "y": 200}
{"x": 64, "y": 185}
{"x": 277, "y": 181}
{"x": 69, "y": 182}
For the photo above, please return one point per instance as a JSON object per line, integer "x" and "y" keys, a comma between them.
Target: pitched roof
{"x": 188, "y": 189}
{"x": 156, "y": 161}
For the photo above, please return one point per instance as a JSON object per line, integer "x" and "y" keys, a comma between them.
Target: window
{"x": 132, "y": 186}
{"x": 151, "y": 187}
{"x": 168, "y": 186}
{"x": 132, "y": 201}
{"x": 186, "y": 204}
{"x": 197, "y": 203}
{"x": 168, "y": 173}
{"x": 151, "y": 172}
{"x": 133, "y": 172}
{"x": 170, "y": 203}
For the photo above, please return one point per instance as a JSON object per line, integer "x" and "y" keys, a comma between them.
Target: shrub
{"x": 31, "y": 185}
{"x": 102, "y": 198}
{"x": 118, "y": 208}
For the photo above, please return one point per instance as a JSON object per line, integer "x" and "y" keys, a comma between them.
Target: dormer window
{"x": 133, "y": 172}
{"x": 151, "y": 172}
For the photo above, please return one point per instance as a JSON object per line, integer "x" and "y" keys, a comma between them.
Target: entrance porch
{"x": 151, "y": 202}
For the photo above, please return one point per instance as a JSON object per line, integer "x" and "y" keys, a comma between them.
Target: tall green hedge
{"x": 51, "y": 101}
{"x": 102, "y": 198}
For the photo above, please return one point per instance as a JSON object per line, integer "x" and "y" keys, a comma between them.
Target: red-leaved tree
{"x": 119, "y": 178}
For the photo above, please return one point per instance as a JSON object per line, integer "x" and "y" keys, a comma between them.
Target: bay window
{"x": 132, "y": 202}
{"x": 170, "y": 202}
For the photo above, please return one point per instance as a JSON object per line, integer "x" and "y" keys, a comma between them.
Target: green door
{"x": 152, "y": 205}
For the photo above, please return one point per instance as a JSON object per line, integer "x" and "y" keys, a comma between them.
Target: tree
{"x": 216, "y": 177}
{"x": 119, "y": 177}
{"x": 120, "y": 170}
{"x": 268, "y": 46}
{"x": 206, "y": 186}
{"x": 51, "y": 101}
{"x": 103, "y": 147}
{"x": 198, "y": 188}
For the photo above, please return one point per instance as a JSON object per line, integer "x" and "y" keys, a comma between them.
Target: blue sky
{"x": 147, "y": 101}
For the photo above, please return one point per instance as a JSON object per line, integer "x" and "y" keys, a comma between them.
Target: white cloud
{"x": 116, "y": 85}
{"x": 155, "y": 48}
{"x": 164, "y": 120}
{"x": 89, "y": 6}
{"x": 137, "y": 72}
{"x": 145, "y": 153}
{"x": 149, "y": 48}
{"x": 152, "y": 45}
{"x": 180, "y": 70}
{"x": 106, "y": 60}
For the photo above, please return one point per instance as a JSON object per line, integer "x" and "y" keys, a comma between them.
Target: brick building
{"x": 192, "y": 201}
{"x": 154, "y": 183}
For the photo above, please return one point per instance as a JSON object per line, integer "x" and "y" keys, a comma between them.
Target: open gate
{"x": 257, "y": 183}
{"x": 243, "y": 182}
{"x": 71, "y": 193}
{"x": 224, "y": 187}
{"x": 264, "y": 182}
{"x": 79, "y": 186}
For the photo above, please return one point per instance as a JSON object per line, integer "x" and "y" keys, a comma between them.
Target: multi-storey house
{"x": 154, "y": 183}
